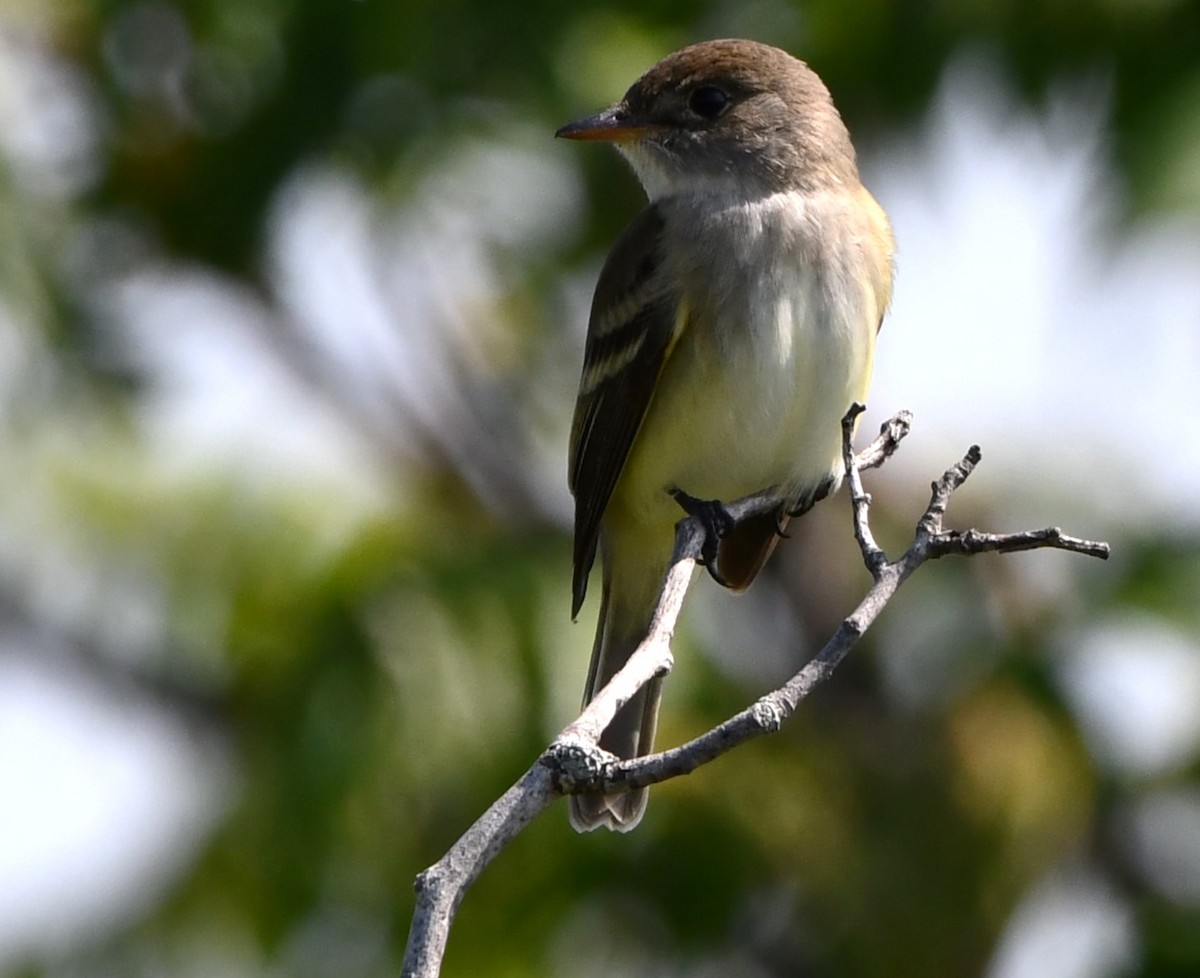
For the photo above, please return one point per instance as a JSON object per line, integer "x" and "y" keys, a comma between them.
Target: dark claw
{"x": 710, "y": 565}
{"x": 716, "y": 521}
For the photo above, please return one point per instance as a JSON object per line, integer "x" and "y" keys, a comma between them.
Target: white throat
{"x": 661, "y": 177}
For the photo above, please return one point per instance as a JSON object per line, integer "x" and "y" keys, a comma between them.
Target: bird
{"x": 732, "y": 326}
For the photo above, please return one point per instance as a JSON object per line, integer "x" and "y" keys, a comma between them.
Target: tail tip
{"x": 617, "y": 813}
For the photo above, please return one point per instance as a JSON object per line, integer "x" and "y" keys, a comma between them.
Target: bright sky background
{"x": 1019, "y": 320}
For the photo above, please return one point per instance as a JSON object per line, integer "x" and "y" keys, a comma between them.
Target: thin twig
{"x": 860, "y": 500}
{"x": 891, "y": 433}
{"x": 967, "y": 543}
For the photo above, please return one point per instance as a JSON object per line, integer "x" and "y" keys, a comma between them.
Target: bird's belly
{"x": 747, "y": 409}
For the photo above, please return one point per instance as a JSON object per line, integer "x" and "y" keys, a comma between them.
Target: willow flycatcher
{"x": 732, "y": 327}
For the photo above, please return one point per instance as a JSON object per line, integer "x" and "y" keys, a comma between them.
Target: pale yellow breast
{"x": 782, "y": 309}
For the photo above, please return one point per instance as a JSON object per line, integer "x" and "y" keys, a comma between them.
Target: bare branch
{"x": 891, "y": 433}
{"x": 970, "y": 542}
{"x": 860, "y": 501}
{"x": 943, "y": 489}
{"x": 573, "y": 763}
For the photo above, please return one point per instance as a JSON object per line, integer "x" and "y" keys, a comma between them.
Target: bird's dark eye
{"x": 708, "y": 101}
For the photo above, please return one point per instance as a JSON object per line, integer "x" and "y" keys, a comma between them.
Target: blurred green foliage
{"x": 380, "y": 671}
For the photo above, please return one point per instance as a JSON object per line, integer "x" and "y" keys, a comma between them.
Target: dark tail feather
{"x": 631, "y": 733}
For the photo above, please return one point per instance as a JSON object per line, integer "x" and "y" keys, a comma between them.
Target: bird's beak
{"x": 613, "y": 125}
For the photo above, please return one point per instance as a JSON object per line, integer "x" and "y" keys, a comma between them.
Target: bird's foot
{"x": 714, "y": 518}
